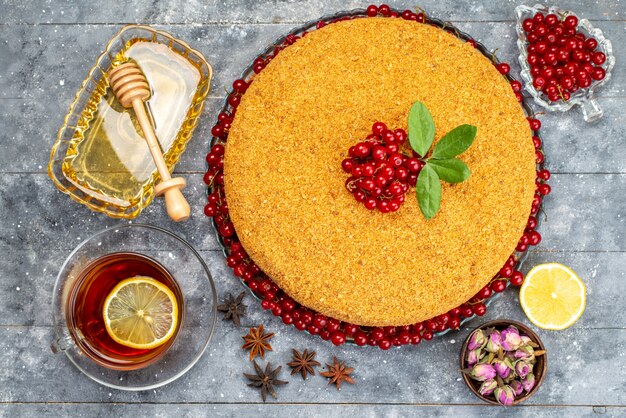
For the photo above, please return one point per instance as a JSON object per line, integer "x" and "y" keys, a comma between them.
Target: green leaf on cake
{"x": 421, "y": 128}
{"x": 451, "y": 170}
{"x": 428, "y": 191}
{"x": 455, "y": 142}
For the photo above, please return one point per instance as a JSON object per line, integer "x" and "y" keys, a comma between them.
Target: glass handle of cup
{"x": 61, "y": 344}
{"x": 591, "y": 110}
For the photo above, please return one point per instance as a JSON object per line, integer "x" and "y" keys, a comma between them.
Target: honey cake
{"x": 285, "y": 185}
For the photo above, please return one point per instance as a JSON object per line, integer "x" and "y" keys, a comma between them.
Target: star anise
{"x": 303, "y": 363}
{"x": 266, "y": 380}
{"x": 257, "y": 342}
{"x": 338, "y": 373}
{"x": 233, "y": 308}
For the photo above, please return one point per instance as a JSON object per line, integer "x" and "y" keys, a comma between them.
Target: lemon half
{"x": 553, "y": 296}
{"x": 141, "y": 313}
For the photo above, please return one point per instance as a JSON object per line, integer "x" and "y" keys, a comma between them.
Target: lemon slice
{"x": 553, "y": 296}
{"x": 141, "y": 313}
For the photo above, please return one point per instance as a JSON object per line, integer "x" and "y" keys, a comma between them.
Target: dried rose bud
{"x": 522, "y": 368}
{"x": 487, "y": 387}
{"x": 493, "y": 345}
{"x": 517, "y": 387}
{"x": 511, "y": 340}
{"x": 528, "y": 382}
{"x": 482, "y": 372}
{"x": 477, "y": 340}
{"x": 525, "y": 340}
{"x": 504, "y": 395}
{"x": 501, "y": 368}
{"x": 525, "y": 353}
{"x": 474, "y": 357}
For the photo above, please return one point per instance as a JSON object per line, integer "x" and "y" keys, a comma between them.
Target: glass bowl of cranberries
{"x": 563, "y": 59}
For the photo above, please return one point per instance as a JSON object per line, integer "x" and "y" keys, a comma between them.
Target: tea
{"x": 85, "y": 309}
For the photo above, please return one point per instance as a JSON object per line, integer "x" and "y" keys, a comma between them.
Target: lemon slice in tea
{"x": 553, "y": 296}
{"x": 141, "y": 313}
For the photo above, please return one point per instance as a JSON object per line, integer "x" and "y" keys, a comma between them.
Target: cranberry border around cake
{"x": 271, "y": 296}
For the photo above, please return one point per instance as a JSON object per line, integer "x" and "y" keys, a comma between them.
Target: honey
{"x": 112, "y": 156}
{"x": 100, "y": 157}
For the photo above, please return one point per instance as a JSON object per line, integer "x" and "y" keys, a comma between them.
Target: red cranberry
{"x": 333, "y": 325}
{"x": 504, "y": 68}
{"x": 527, "y": 25}
{"x": 419, "y": 327}
{"x": 377, "y": 334}
{"x": 384, "y": 344}
{"x": 534, "y": 237}
{"x": 287, "y": 318}
{"x": 455, "y": 311}
{"x": 390, "y": 330}
{"x": 517, "y": 278}
{"x": 350, "y": 329}
{"x": 431, "y": 325}
{"x": 535, "y": 124}
{"x": 360, "y": 338}
{"x": 570, "y": 21}
{"x": 371, "y": 10}
{"x": 404, "y": 338}
{"x": 240, "y": 86}
{"x": 598, "y": 73}
{"x": 210, "y": 210}
{"x": 312, "y": 329}
{"x": 257, "y": 68}
{"x": 226, "y": 230}
{"x": 539, "y": 157}
{"x": 466, "y": 311}
{"x": 306, "y": 317}
{"x": 479, "y": 309}
{"x": 325, "y": 334}
{"x": 338, "y": 338}
{"x": 427, "y": 335}
{"x": 484, "y": 293}
{"x": 506, "y": 271}
{"x": 234, "y": 100}
{"x": 551, "y": 19}
{"x": 320, "y": 321}
{"x": 498, "y": 286}
{"x": 455, "y": 323}
{"x": 415, "y": 338}
{"x": 544, "y": 189}
{"x": 288, "y": 305}
{"x": 539, "y": 83}
{"x": 347, "y": 164}
{"x": 598, "y": 58}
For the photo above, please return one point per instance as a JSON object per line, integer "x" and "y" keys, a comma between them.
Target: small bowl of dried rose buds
{"x": 503, "y": 362}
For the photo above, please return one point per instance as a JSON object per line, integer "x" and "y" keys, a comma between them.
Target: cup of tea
{"x": 134, "y": 307}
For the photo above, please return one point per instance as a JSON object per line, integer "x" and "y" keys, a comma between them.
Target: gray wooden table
{"x": 46, "y": 50}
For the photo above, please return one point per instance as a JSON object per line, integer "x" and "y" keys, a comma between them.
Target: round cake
{"x": 285, "y": 185}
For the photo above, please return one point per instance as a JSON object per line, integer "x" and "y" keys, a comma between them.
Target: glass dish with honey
{"x": 134, "y": 307}
{"x": 100, "y": 157}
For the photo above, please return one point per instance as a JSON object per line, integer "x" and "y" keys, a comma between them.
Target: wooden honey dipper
{"x": 131, "y": 89}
